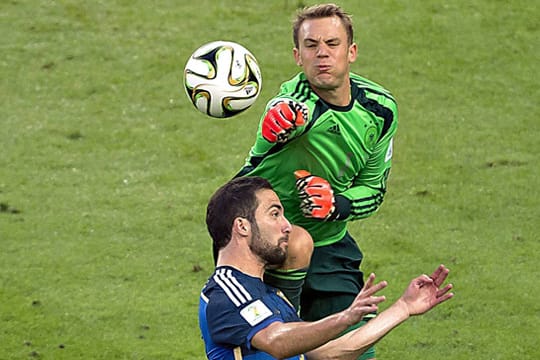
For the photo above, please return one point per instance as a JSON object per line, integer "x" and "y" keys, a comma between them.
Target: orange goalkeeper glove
{"x": 282, "y": 118}
{"x": 316, "y": 195}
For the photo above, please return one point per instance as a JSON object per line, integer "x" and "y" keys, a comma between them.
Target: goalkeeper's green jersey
{"x": 349, "y": 146}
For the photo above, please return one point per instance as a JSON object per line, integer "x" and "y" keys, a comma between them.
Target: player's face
{"x": 324, "y": 53}
{"x": 270, "y": 232}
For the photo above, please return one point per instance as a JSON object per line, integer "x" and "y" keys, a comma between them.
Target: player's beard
{"x": 272, "y": 256}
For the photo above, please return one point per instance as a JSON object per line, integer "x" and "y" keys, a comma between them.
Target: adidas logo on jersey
{"x": 334, "y": 129}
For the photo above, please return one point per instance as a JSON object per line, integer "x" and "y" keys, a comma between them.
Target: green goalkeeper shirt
{"x": 349, "y": 146}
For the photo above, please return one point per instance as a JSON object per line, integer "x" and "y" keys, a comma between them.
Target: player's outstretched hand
{"x": 365, "y": 302}
{"x": 426, "y": 292}
{"x": 316, "y": 195}
{"x": 282, "y": 118}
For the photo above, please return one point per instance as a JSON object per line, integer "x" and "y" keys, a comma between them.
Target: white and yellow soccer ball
{"x": 222, "y": 79}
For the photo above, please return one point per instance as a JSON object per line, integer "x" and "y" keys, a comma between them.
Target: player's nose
{"x": 286, "y": 226}
{"x": 322, "y": 50}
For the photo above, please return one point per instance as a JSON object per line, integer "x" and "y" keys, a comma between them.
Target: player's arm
{"x": 364, "y": 196}
{"x": 423, "y": 294}
{"x": 283, "y": 340}
{"x": 283, "y": 120}
{"x": 367, "y": 192}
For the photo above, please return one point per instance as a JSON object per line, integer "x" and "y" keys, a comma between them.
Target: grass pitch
{"x": 106, "y": 170}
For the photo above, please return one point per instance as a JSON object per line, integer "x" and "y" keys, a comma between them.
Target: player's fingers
{"x": 286, "y": 112}
{"x": 367, "y": 304}
{"x": 274, "y": 125}
{"x": 377, "y": 299}
{"x": 318, "y": 212}
{"x": 439, "y": 275}
{"x": 269, "y": 135}
{"x": 370, "y": 301}
{"x": 444, "y": 298}
{"x": 369, "y": 281}
{"x": 422, "y": 281}
{"x": 444, "y": 290}
{"x": 441, "y": 278}
{"x": 270, "y": 127}
{"x": 284, "y": 124}
{"x": 373, "y": 289}
{"x": 437, "y": 271}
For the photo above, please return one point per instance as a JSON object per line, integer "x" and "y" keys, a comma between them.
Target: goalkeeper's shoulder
{"x": 298, "y": 89}
{"x": 373, "y": 88}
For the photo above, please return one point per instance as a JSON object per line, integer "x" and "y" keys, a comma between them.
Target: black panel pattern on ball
{"x": 209, "y": 57}
{"x": 248, "y": 79}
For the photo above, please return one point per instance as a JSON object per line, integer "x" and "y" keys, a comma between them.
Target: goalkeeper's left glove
{"x": 317, "y": 199}
{"x": 316, "y": 196}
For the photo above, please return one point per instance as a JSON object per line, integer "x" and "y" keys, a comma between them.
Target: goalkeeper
{"x": 325, "y": 145}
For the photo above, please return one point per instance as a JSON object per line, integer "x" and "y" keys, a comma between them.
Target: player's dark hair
{"x": 237, "y": 198}
{"x": 322, "y": 11}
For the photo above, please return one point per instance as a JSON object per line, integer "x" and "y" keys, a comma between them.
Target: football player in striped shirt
{"x": 241, "y": 317}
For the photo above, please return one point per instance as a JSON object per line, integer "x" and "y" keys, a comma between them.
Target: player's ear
{"x": 297, "y": 58}
{"x": 353, "y": 52}
{"x": 241, "y": 226}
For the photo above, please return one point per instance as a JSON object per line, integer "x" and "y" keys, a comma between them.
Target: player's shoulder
{"x": 371, "y": 87}
{"x": 297, "y": 88}
{"x": 293, "y": 83}
{"x": 230, "y": 287}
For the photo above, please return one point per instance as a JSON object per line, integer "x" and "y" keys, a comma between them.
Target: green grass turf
{"x": 105, "y": 170}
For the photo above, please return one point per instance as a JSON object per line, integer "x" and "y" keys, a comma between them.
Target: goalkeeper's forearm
{"x": 356, "y": 342}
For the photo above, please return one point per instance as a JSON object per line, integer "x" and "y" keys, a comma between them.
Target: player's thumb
{"x": 301, "y": 114}
{"x": 301, "y": 174}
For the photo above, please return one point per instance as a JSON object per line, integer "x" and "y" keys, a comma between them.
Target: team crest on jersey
{"x": 370, "y": 138}
{"x": 255, "y": 312}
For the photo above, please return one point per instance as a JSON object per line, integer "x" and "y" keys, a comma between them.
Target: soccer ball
{"x": 222, "y": 79}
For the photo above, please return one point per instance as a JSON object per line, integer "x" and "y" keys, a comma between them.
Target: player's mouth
{"x": 324, "y": 68}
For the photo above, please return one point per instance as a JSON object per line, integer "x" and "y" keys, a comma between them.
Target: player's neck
{"x": 242, "y": 260}
{"x": 339, "y": 96}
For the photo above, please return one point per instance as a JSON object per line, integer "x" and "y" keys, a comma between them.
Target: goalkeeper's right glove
{"x": 281, "y": 120}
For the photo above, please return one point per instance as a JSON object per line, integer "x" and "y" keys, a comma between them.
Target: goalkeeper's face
{"x": 324, "y": 53}
{"x": 270, "y": 231}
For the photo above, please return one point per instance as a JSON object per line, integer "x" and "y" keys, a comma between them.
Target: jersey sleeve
{"x": 263, "y": 147}
{"x": 296, "y": 89}
{"x": 367, "y": 192}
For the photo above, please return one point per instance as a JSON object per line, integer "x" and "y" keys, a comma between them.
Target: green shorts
{"x": 335, "y": 268}
{"x": 333, "y": 281}
{"x": 326, "y": 304}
